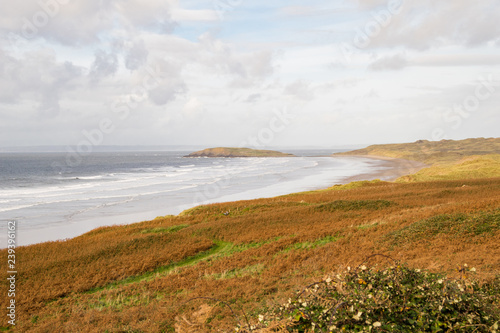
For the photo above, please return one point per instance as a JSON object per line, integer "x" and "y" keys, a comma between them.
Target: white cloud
{"x": 104, "y": 65}
{"x": 137, "y": 55}
{"x": 424, "y": 24}
{"x": 394, "y": 62}
{"x": 184, "y": 15}
{"x": 299, "y": 89}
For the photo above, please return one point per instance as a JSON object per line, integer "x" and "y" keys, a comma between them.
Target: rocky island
{"x": 237, "y": 152}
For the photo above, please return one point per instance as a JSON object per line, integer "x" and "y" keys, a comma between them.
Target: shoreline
{"x": 389, "y": 170}
{"x": 397, "y": 167}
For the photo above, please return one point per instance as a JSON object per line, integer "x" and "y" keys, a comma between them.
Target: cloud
{"x": 424, "y": 24}
{"x": 253, "y": 98}
{"x": 37, "y": 78}
{"x": 399, "y": 61}
{"x": 245, "y": 68}
{"x": 88, "y": 22}
{"x": 394, "y": 62}
{"x": 170, "y": 83}
{"x": 371, "y": 4}
{"x": 177, "y": 61}
{"x": 184, "y": 15}
{"x": 297, "y": 10}
{"x": 136, "y": 56}
{"x": 193, "y": 108}
{"x": 104, "y": 65}
{"x": 457, "y": 60}
{"x": 300, "y": 90}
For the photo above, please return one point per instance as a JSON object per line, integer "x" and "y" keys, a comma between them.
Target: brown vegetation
{"x": 137, "y": 278}
{"x": 433, "y": 152}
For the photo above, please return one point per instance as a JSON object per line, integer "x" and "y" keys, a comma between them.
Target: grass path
{"x": 219, "y": 247}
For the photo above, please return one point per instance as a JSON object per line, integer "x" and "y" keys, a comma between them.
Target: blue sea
{"x": 52, "y": 197}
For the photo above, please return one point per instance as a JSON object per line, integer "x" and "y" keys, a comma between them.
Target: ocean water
{"x": 51, "y": 197}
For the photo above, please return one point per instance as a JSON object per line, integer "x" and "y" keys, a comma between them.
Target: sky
{"x": 247, "y": 73}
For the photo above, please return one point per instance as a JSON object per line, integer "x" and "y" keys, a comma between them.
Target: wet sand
{"x": 391, "y": 168}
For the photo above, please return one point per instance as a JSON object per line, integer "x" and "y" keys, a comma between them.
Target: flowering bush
{"x": 395, "y": 299}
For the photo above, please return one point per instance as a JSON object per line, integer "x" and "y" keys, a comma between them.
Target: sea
{"x": 51, "y": 196}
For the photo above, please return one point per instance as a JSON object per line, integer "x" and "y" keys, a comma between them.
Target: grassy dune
{"x": 433, "y": 152}
{"x": 467, "y": 168}
{"x": 447, "y": 159}
{"x": 254, "y": 255}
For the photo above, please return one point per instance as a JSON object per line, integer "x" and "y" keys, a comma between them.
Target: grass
{"x": 171, "y": 229}
{"x": 474, "y": 167}
{"x": 448, "y": 159}
{"x": 219, "y": 248}
{"x": 433, "y": 152}
{"x": 340, "y": 187}
{"x": 251, "y": 270}
{"x": 312, "y": 245}
{"x": 139, "y": 277}
{"x": 119, "y": 301}
{"x": 350, "y": 205}
{"x": 451, "y": 225}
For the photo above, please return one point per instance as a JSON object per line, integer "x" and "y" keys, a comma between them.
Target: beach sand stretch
{"x": 394, "y": 168}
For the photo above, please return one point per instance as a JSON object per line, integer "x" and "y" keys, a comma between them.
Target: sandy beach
{"x": 394, "y": 168}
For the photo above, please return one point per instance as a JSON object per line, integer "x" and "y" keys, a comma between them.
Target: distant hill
{"x": 433, "y": 152}
{"x": 449, "y": 159}
{"x": 237, "y": 152}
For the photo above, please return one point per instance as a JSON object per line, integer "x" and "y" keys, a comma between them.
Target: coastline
{"x": 383, "y": 168}
{"x": 395, "y": 168}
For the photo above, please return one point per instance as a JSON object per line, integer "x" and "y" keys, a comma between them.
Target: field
{"x": 252, "y": 256}
{"x": 418, "y": 254}
{"x": 433, "y": 152}
{"x": 447, "y": 159}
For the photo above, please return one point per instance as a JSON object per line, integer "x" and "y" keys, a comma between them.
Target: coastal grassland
{"x": 252, "y": 255}
{"x": 483, "y": 166}
{"x": 433, "y": 152}
{"x": 447, "y": 159}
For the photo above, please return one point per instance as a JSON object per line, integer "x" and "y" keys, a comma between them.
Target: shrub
{"x": 395, "y": 299}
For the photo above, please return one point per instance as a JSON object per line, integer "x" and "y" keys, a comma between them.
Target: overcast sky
{"x": 247, "y": 72}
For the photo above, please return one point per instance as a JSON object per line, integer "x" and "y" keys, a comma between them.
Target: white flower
{"x": 377, "y": 324}
{"x": 472, "y": 269}
{"x": 440, "y": 281}
{"x": 261, "y": 318}
{"x": 363, "y": 267}
{"x": 358, "y": 316}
